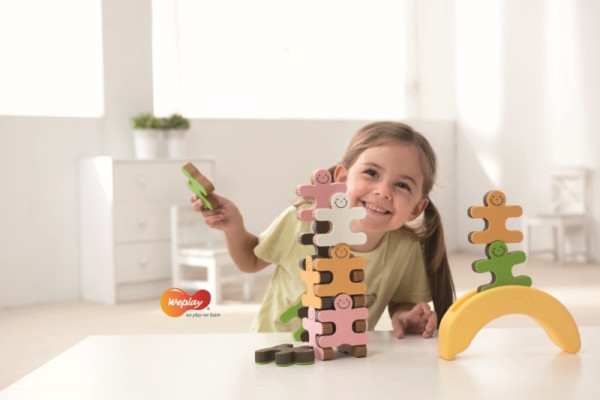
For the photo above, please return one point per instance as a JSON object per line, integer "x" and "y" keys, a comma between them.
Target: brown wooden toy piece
{"x": 285, "y": 354}
{"x": 201, "y": 186}
{"x": 355, "y": 351}
{"x": 495, "y": 212}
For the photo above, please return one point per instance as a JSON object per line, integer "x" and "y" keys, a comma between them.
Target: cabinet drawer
{"x": 137, "y": 262}
{"x": 141, "y": 222}
{"x": 155, "y": 181}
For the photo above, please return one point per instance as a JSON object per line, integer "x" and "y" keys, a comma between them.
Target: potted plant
{"x": 148, "y": 135}
{"x": 175, "y": 127}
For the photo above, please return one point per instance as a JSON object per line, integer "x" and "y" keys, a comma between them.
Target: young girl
{"x": 389, "y": 169}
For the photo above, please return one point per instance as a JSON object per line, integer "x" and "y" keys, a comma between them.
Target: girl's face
{"x": 388, "y": 182}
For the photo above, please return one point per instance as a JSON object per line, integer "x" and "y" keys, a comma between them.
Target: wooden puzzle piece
{"x": 321, "y": 190}
{"x": 311, "y": 277}
{"x": 289, "y": 314}
{"x": 500, "y": 263}
{"x": 285, "y": 355}
{"x": 201, "y": 186}
{"x": 355, "y": 351}
{"x": 307, "y": 239}
{"x": 495, "y": 212}
{"x": 340, "y": 215}
{"x": 343, "y": 318}
{"x": 341, "y": 265}
{"x": 315, "y": 328}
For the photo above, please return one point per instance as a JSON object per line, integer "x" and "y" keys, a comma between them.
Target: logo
{"x": 175, "y": 302}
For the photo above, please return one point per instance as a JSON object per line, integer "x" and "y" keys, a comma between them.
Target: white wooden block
{"x": 340, "y": 215}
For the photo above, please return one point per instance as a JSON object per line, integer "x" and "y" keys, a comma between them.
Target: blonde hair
{"x": 430, "y": 233}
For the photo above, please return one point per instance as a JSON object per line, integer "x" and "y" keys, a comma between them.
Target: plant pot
{"x": 175, "y": 139}
{"x": 148, "y": 143}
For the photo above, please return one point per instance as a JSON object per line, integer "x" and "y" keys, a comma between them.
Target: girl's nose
{"x": 383, "y": 191}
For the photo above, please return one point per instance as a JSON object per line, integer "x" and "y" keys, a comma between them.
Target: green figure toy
{"x": 201, "y": 186}
{"x": 500, "y": 263}
{"x": 294, "y": 311}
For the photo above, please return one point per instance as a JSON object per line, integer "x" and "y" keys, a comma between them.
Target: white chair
{"x": 569, "y": 214}
{"x": 199, "y": 257}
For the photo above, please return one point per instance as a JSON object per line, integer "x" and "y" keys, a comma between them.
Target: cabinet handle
{"x": 142, "y": 222}
{"x": 143, "y": 262}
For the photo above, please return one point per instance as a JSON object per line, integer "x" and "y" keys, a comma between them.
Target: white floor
{"x": 32, "y": 335}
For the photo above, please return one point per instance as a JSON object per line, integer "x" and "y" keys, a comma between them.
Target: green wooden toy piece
{"x": 202, "y": 190}
{"x": 500, "y": 263}
{"x": 290, "y": 314}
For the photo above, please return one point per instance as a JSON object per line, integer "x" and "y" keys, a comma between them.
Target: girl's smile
{"x": 387, "y": 181}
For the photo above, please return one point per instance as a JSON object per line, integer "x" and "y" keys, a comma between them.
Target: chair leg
{"x": 554, "y": 243}
{"x": 586, "y": 247}
{"x": 526, "y": 241}
{"x": 248, "y": 287}
{"x": 212, "y": 278}
{"x": 175, "y": 272}
{"x": 560, "y": 243}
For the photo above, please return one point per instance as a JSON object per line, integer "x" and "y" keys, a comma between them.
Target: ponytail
{"x": 431, "y": 236}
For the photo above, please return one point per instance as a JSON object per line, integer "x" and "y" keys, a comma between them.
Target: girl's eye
{"x": 371, "y": 172}
{"x": 403, "y": 185}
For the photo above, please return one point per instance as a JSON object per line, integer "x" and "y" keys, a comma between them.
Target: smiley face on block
{"x": 321, "y": 190}
{"x": 341, "y": 265}
{"x": 340, "y": 215}
{"x": 343, "y": 317}
{"x": 495, "y": 212}
{"x": 500, "y": 263}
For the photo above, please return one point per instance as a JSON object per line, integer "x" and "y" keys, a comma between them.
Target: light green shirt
{"x": 395, "y": 272}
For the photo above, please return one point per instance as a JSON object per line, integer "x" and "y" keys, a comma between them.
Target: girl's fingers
{"x": 214, "y": 220}
{"x": 425, "y": 309}
{"x": 431, "y": 324}
{"x": 197, "y": 206}
{"x": 398, "y": 328}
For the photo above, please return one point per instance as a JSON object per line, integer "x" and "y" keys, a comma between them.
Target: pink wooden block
{"x": 321, "y": 191}
{"x": 343, "y": 316}
{"x": 314, "y": 328}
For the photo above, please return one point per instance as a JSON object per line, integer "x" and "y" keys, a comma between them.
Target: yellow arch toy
{"x": 474, "y": 310}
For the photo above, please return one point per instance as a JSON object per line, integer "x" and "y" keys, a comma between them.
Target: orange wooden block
{"x": 310, "y": 277}
{"x": 341, "y": 265}
{"x": 495, "y": 212}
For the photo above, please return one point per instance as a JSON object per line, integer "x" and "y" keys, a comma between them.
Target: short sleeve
{"x": 276, "y": 244}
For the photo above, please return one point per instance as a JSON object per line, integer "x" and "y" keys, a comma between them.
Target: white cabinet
{"x": 125, "y": 230}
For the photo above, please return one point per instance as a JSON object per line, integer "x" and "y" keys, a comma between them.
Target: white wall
{"x": 39, "y": 244}
{"x": 39, "y": 239}
{"x": 545, "y": 109}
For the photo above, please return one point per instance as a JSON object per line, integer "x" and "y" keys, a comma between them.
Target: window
{"x": 281, "y": 58}
{"x": 51, "y": 58}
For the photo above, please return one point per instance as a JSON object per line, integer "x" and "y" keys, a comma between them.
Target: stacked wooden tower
{"x": 334, "y": 304}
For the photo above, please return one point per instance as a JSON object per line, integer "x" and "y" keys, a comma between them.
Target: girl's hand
{"x": 419, "y": 319}
{"x": 225, "y": 218}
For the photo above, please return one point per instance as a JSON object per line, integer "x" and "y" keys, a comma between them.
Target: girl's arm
{"x": 412, "y": 318}
{"x": 240, "y": 242}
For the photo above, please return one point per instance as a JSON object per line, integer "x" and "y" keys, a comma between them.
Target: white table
{"x": 500, "y": 364}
